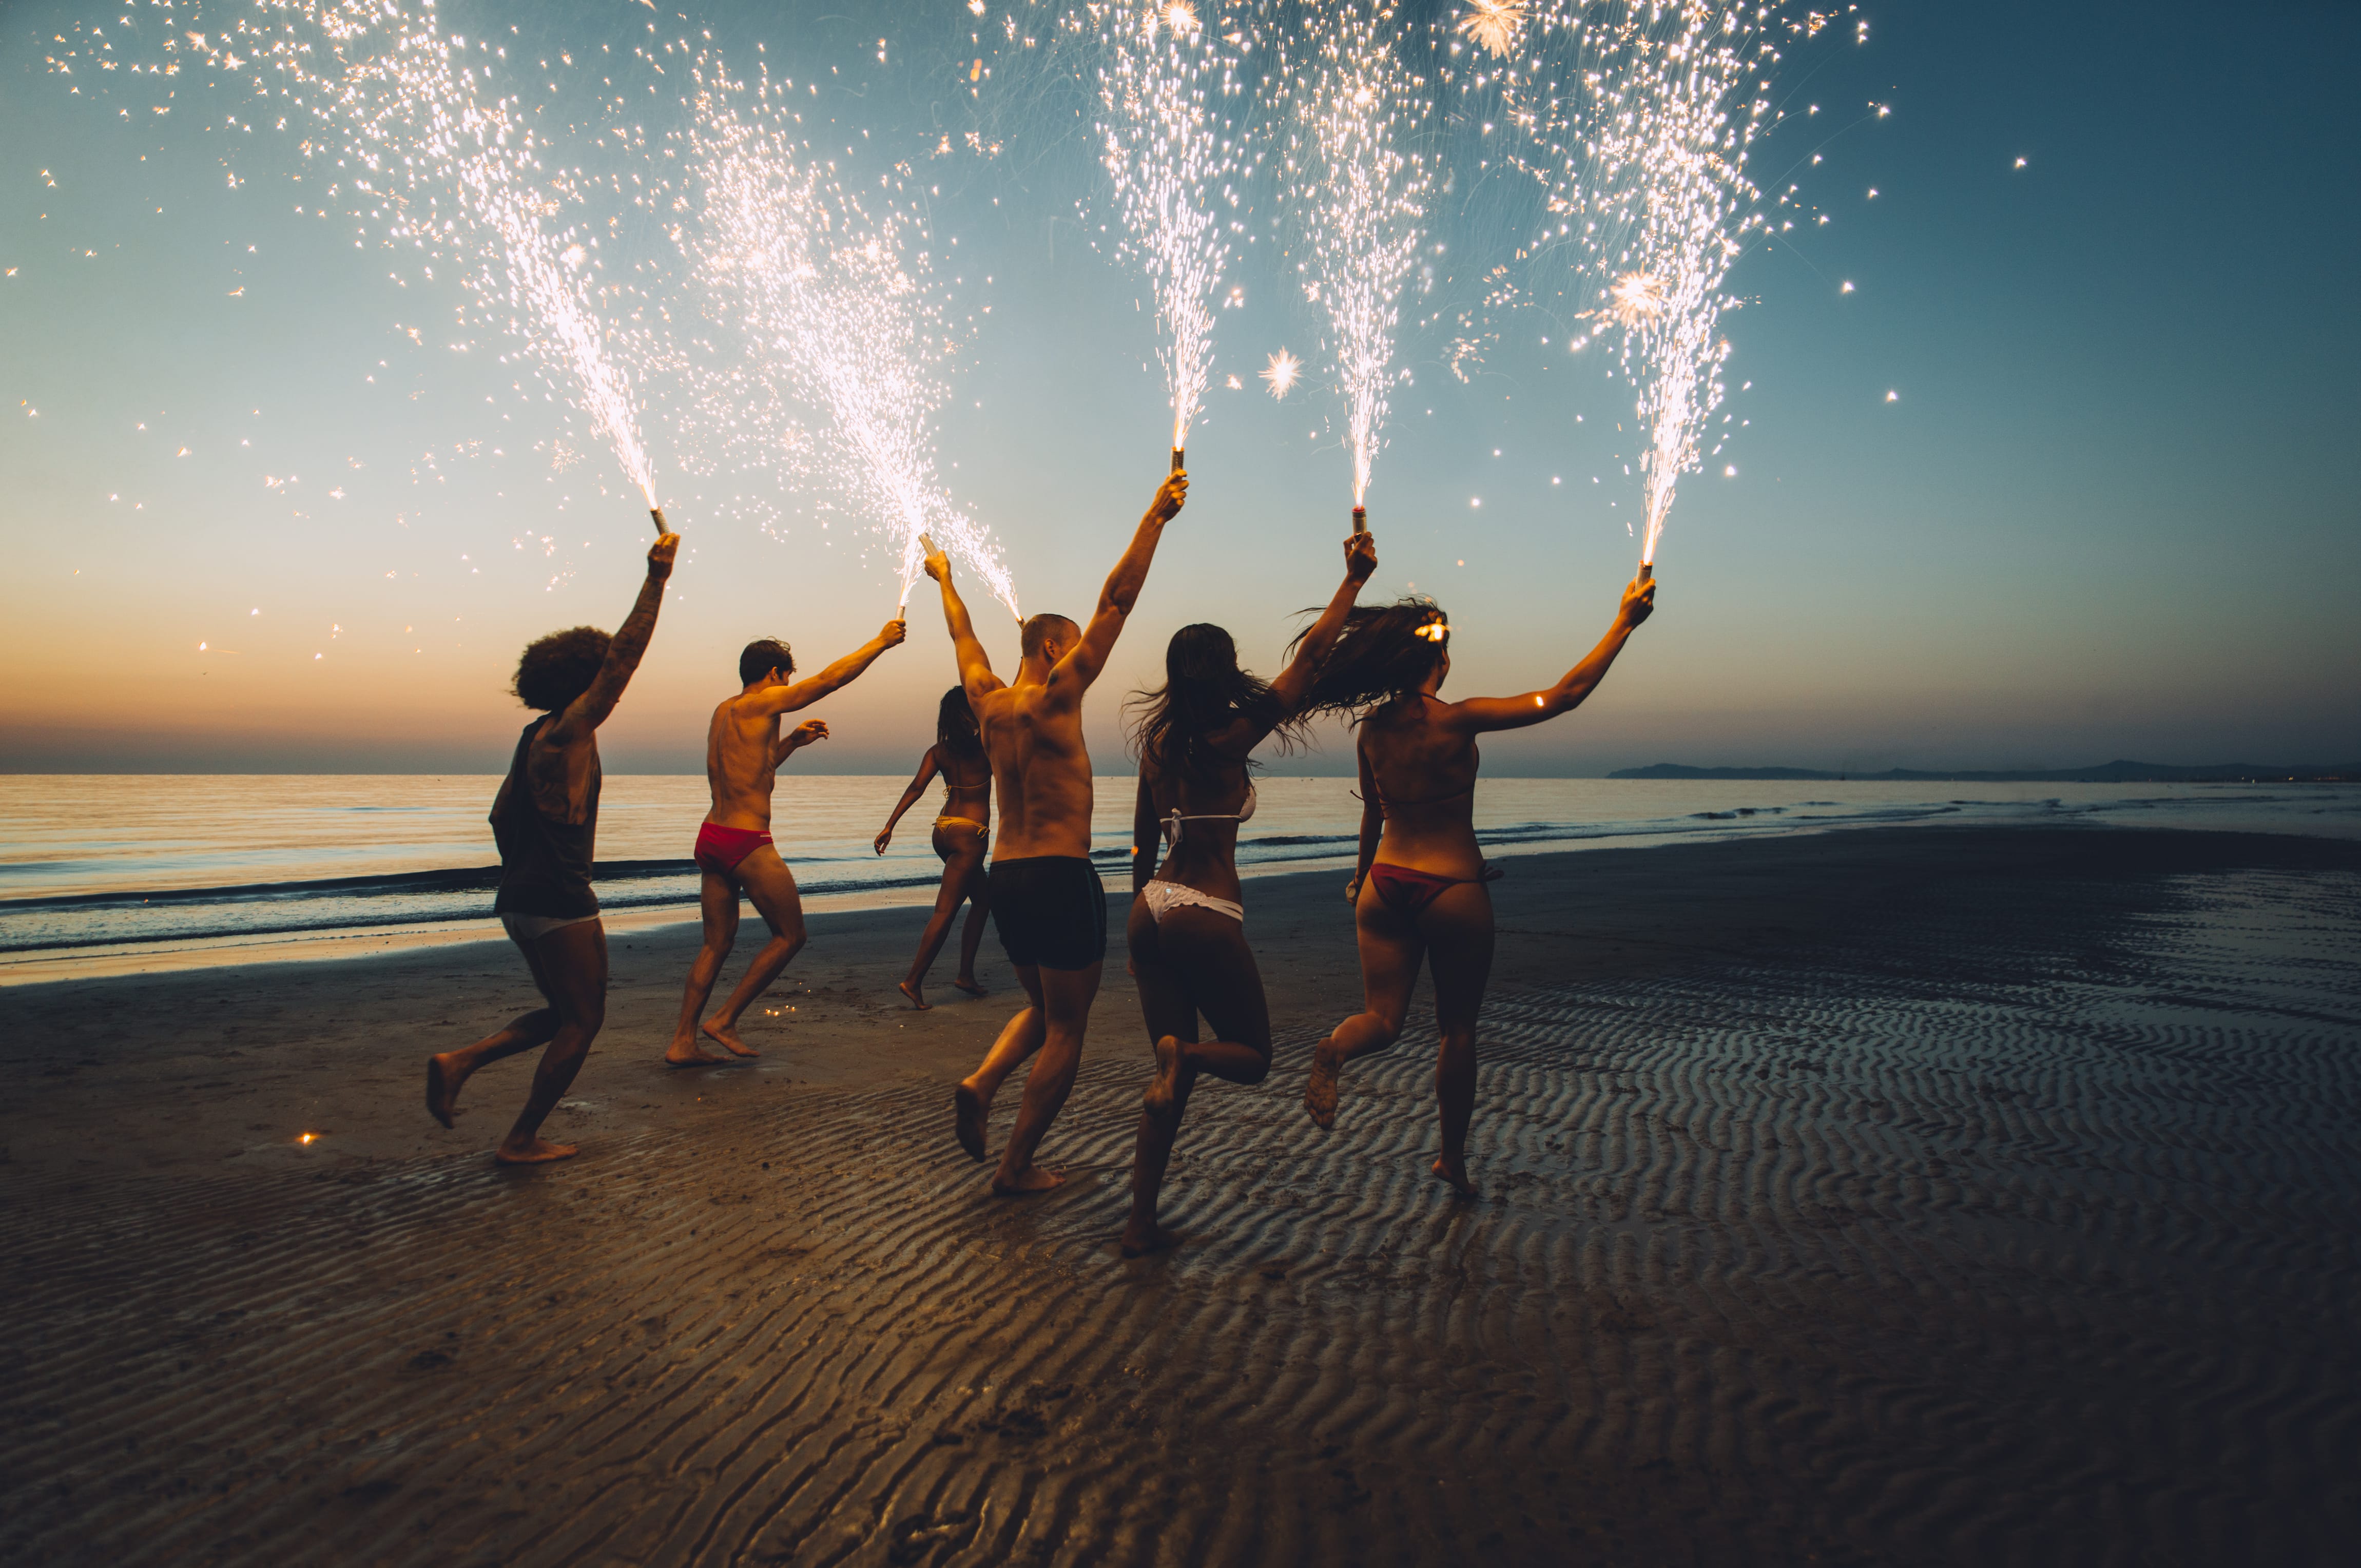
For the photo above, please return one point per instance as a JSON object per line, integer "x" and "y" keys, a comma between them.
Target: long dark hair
{"x": 955, "y": 728}
{"x": 1382, "y": 655}
{"x": 1204, "y": 691}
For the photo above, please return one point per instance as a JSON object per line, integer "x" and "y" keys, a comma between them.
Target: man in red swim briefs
{"x": 744, "y": 750}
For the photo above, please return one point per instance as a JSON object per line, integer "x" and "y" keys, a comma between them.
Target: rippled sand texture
{"x": 2022, "y": 1228}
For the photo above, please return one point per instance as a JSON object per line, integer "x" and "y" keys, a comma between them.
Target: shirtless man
{"x": 545, "y": 819}
{"x": 1046, "y": 899}
{"x": 744, "y": 750}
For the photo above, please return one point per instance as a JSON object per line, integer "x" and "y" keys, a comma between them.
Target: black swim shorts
{"x": 1051, "y": 911}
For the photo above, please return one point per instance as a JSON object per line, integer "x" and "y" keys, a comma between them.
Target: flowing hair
{"x": 1204, "y": 691}
{"x": 955, "y": 727}
{"x": 1383, "y": 654}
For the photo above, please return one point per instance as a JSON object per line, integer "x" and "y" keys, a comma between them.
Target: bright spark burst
{"x": 1358, "y": 181}
{"x": 1280, "y": 373}
{"x": 1494, "y": 25}
{"x": 1175, "y": 165}
{"x": 402, "y": 99}
{"x": 835, "y": 312}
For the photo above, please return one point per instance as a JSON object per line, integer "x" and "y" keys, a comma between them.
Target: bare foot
{"x": 970, "y": 1109}
{"x": 1163, "y": 1095}
{"x": 1320, "y": 1089}
{"x": 442, "y": 1089}
{"x": 1032, "y": 1179}
{"x": 534, "y": 1151}
{"x": 1143, "y": 1237}
{"x": 967, "y": 984}
{"x": 690, "y": 1055}
{"x": 916, "y": 1001}
{"x": 1457, "y": 1174}
{"x": 726, "y": 1036}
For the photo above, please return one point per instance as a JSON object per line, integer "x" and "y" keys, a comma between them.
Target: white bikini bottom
{"x": 1163, "y": 897}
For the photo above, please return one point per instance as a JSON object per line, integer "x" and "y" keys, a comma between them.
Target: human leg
{"x": 446, "y": 1070}
{"x": 1458, "y": 930}
{"x": 772, "y": 887}
{"x": 571, "y": 964}
{"x": 1018, "y": 1039}
{"x": 978, "y": 892}
{"x": 1390, "y": 951}
{"x": 1171, "y": 1011}
{"x": 958, "y": 860}
{"x": 717, "y": 898}
{"x": 1066, "y": 998}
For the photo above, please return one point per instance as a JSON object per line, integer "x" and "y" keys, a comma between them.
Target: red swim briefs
{"x": 720, "y": 849}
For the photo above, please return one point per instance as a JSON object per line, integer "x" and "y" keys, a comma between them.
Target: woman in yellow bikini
{"x": 1196, "y": 738}
{"x": 962, "y": 832}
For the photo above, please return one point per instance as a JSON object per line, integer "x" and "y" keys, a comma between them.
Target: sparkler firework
{"x": 833, "y": 307}
{"x": 1359, "y": 183}
{"x": 1174, "y": 160}
{"x": 401, "y": 98}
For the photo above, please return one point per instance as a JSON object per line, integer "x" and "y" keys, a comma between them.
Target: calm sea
{"x": 214, "y": 867}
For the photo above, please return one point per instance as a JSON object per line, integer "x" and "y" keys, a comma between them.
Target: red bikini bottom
{"x": 720, "y": 849}
{"x": 1407, "y": 891}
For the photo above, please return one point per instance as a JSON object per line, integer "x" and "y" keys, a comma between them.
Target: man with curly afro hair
{"x": 546, "y": 821}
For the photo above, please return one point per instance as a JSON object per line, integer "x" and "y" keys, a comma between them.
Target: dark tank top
{"x": 545, "y": 864}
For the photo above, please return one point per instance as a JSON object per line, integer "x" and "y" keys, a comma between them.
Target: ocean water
{"x": 103, "y": 864}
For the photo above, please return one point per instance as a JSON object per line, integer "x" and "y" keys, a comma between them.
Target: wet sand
{"x": 1958, "y": 1196}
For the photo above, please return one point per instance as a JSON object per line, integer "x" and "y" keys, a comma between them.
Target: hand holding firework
{"x": 660, "y": 555}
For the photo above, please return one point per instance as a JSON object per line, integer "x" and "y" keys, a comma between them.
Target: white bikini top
{"x": 1173, "y": 820}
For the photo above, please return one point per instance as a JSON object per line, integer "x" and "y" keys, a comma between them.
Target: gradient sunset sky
{"x": 2110, "y": 511}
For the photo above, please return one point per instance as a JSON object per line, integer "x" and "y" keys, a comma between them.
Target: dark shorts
{"x": 1051, "y": 911}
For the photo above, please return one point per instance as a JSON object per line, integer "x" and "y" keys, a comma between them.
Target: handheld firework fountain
{"x": 402, "y": 97}
{"x": 1161, "y": 138}
{"x": 1648, "y": 180}
{"x": 1361, "y": 185}
{"x": 836, "y": 313}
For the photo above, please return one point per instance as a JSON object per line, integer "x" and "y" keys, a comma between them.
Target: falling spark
{"x": 1494, "y": 25}
{"x": 1175, "y": 164}
{"x": 835, "y": 312}
{"x": 1282, "y": 372}
{"x": 1360, "y": 182}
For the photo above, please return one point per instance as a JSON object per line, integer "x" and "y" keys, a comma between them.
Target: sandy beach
{"x": 1923, "y": 1195}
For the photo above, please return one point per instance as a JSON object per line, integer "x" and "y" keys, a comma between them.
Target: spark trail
{"x": 1358, "y": 183}
{"x": 1640, "y": 116}
{"x": 1175, "y": 161}
{"x": 406, "y": 102}
{"x": 834, "y": 311}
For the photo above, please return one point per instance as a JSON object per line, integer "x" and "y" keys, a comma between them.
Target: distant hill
{"x": 2105, "y": 773}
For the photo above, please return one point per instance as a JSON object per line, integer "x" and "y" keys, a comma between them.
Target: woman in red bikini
{"x": 1187, "y": 931}
{"x": 1420, "y": 891}
{"x": 962, "y": 832}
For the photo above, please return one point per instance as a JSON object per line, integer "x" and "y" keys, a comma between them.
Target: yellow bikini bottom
{"x": 981, "y": 830}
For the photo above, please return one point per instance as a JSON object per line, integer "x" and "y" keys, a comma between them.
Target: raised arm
{"x": 796, "y": 739}
{"x": 1294, "y": 683}
{"x": 802, "y": 694}
{"x": 928, "y": 766}
{"x": 975, "y": 665}
{"x": 624, "y": 650}
{"x": 1122, "y": 584}
{"x": 1486, "y": 713}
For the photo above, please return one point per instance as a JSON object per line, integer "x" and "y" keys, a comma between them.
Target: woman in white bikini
{"x": 1196, "y": 738}
{"x": 1421, "y": 893}
{"x": 962, "y": 833}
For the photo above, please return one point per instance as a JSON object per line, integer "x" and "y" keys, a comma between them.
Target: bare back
{"x": 1032, "y": 734}
{"x": 1419, "y": 761}
{"x": 741, "y": 762}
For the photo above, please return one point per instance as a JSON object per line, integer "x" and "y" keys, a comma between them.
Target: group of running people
{"x": 1419, "y": 891}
